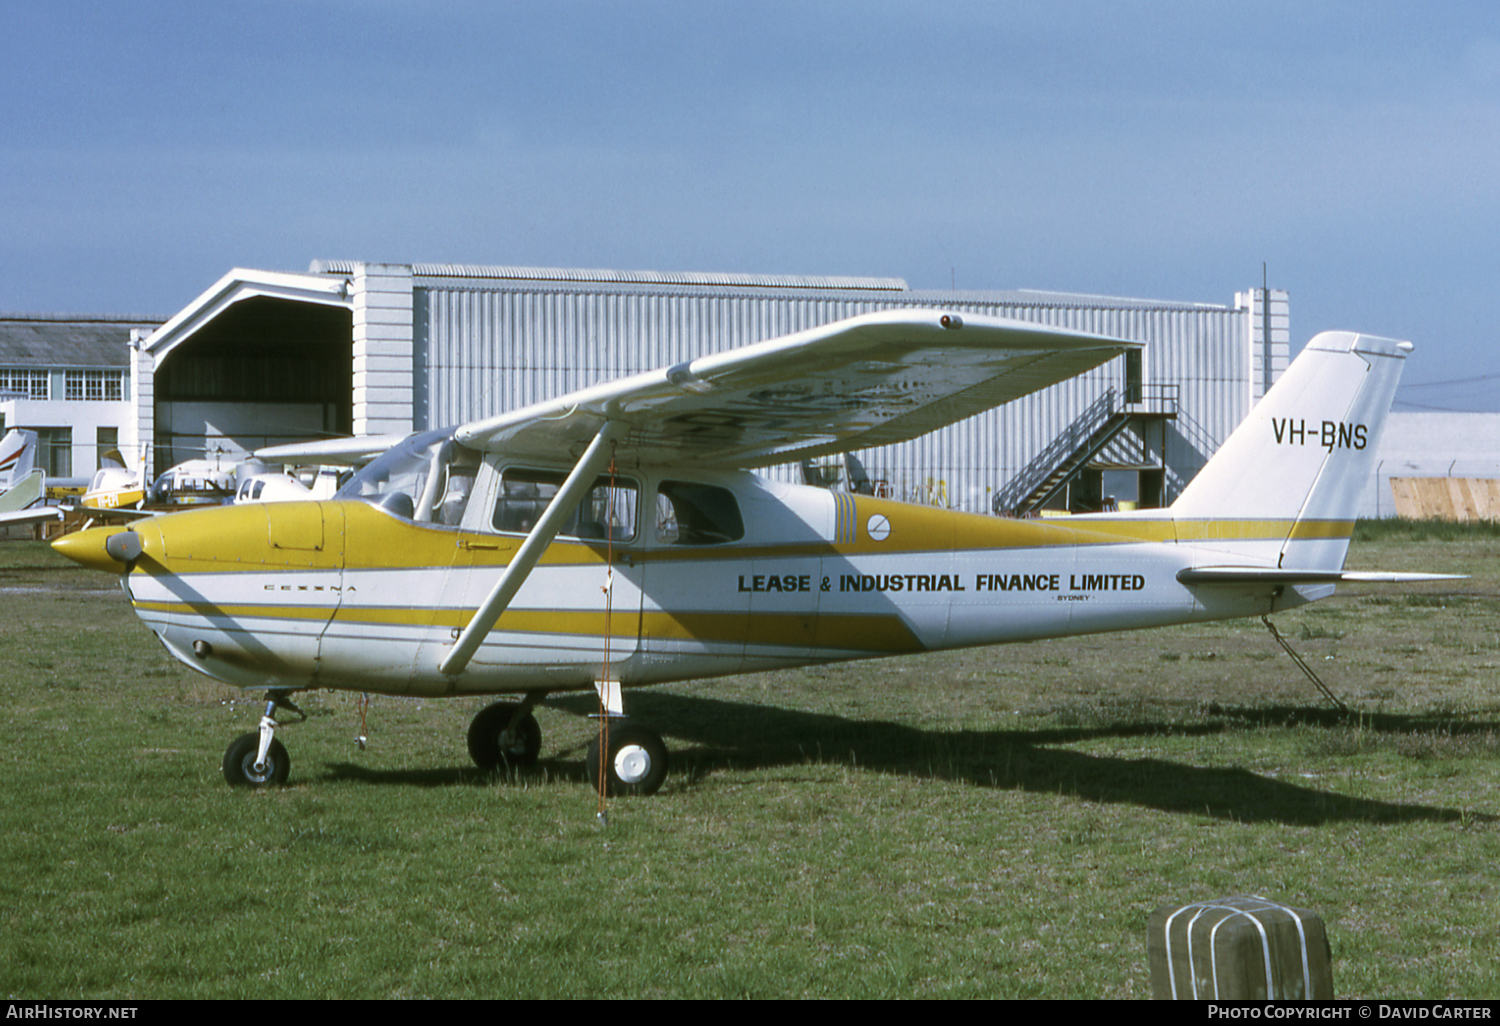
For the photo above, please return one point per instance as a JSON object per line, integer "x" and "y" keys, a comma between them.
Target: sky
{"x": 1163, "y": 150}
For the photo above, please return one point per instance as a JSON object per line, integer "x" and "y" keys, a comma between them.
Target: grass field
{"x": 990, "y": 823}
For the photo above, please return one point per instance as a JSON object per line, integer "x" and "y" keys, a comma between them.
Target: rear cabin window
{"x": 697, "y": 514}
{"x": 606, "y": 513}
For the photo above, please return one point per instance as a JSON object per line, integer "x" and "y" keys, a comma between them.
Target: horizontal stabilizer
{"x": 1273, "y": 575}
{"x": 35, "y": 515}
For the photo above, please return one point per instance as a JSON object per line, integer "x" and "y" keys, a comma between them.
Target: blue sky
{"x": 1161, "y": 150}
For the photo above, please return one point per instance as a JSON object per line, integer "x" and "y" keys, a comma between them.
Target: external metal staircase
{"x": 1070, "y": 452}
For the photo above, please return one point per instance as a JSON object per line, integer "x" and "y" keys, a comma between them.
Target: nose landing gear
{"x": 258, "y": 759}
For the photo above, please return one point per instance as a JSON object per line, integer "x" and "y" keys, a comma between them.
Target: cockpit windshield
{"x": 426, "y": 478}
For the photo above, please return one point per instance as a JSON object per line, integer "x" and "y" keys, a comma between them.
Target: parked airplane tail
{"x": 17, "y": 456}
{"x": 27, "y": 491}
{"x": 1297, "y": 466}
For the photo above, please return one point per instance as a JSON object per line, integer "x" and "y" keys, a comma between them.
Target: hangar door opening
{"x": 264, "y": 372}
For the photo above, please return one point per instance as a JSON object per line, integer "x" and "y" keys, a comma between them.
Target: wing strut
{"x": 594, "y": 459}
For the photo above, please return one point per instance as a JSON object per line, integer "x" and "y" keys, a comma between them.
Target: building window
{"x": 94, "y": 386}
{"x": 30, "y": 383}
{"x": 106, "y": 439}
{"x": 55, "y": 450}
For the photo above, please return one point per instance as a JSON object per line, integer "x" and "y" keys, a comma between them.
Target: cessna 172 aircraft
{"x": 615, "y": 536}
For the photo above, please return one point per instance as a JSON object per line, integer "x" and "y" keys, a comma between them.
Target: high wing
{"x": 330, "y": 451}
{"x": 868, "y": 381}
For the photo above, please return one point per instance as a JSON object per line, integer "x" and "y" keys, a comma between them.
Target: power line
{"x": 1455, "y": 381}
{"x": 1438, "y": 409}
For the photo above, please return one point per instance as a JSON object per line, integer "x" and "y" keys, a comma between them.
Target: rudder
{"x": 17, "y": 455}
{"x": 1299, "y": 462}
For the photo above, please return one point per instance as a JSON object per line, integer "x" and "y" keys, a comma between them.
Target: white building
{"x": 67, "y": 378}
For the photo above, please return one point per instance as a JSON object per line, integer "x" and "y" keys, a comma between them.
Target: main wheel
{"x": 635, "y": 764}
{"x": 239, "y": 763}
{"x": 498, "y": 737}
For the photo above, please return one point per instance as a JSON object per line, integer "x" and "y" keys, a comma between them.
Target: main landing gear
{"x": 258, "y": 759}
{"x": 505, "y": 735}
{"x": 633, "y": 761}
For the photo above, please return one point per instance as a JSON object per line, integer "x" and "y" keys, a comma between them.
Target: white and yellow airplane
{"x": 114, "y": 485}
{"x": 615, "y": 536}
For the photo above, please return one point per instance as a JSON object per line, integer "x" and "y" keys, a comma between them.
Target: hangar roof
{"x": 68, "y": 340}
{"x": 600, "y": 276}
{"x": 238, "y": 286}
{"x": 720, "y": 281}
{"x": 1047, "y": 298}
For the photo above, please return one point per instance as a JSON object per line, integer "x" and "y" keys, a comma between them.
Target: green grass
{"x": 1402, "y": 529}
{"x": 997, "y": 822}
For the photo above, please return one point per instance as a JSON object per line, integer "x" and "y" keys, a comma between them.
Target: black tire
{"x": 239, "y": 763}
{"x": 637, "y": 762}
{"x": 494, "y": 741}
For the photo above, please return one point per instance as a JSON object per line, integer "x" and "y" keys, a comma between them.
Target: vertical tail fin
{"x": 26, "y": 491}
{"x": 17, "y": 455}
{"x": 1299, "y": 462}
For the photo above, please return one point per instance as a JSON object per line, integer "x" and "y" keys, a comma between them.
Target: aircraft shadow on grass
{"x": 735, "y": 736}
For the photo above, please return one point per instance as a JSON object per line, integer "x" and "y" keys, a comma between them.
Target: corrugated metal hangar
{"x": 349, "y": 347}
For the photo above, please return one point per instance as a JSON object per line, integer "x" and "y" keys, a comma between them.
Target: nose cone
{"x": 97, "y": 549}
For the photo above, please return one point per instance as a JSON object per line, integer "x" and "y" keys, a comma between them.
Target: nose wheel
{"x": 634, "y": 763}
{"x": 258, "y": 759}
{"x": 244, "y": 768}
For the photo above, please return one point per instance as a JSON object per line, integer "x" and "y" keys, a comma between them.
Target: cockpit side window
{"x": 426, "y": 478}
{"x": 606, "y": 512}
{"x": 697, "y": 514}
{"x": 451, "y": 486}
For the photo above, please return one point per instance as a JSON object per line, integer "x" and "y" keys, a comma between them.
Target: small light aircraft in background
{"x": 23, "y": 485}
{"x": 260, "y": 484}
{"x": 213, "y": 481}
{"x": 114, "y": 485}
{"x": 198, "y": 482}
{"x": 616, "y": 536}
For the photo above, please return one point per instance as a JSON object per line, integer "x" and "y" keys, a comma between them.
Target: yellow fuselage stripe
{"x": 355, "y": 536}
